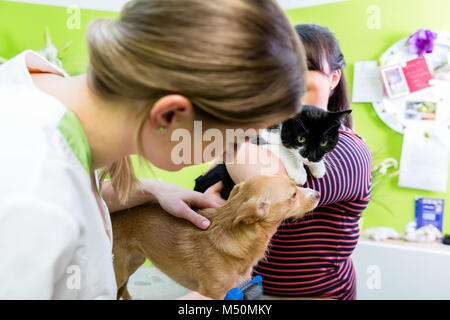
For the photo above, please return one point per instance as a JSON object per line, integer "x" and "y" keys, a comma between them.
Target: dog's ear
{"x": 235, "y": 190}
{"x": 252, "y": 211}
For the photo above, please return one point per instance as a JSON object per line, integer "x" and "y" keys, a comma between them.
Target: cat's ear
{"x": 339, "y": 116}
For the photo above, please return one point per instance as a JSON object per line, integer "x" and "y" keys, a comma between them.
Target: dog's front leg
{"x": 123, "y": 292}
{"x": 125, "y": 264}
{"x": 212, "y": 291}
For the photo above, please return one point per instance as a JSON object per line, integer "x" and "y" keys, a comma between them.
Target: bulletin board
{"x": 400, "y": 112}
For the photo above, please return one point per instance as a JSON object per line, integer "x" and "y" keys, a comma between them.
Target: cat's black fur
{"x": 316, "y": 126}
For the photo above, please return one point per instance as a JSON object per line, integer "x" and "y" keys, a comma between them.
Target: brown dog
{"x": 211, "y": 261}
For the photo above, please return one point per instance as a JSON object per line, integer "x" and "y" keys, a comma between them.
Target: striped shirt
{"x": 311, "y": 257}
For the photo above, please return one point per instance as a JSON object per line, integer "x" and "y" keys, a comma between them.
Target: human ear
{"x": 168, "y": 110}
{"x": 335, "y": 79}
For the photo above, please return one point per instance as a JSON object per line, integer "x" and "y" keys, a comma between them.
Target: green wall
{"x": 22, "y": 27}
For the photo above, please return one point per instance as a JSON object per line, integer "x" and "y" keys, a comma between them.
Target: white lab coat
{"x": 55, "y": 242}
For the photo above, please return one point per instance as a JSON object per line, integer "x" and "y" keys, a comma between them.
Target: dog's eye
{"x": 294, "y": 195}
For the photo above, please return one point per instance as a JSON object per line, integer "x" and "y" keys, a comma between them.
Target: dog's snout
{"x": 310, "y": 193}
{"x": 306, "y": 200}
{"x": 314, "y": 195}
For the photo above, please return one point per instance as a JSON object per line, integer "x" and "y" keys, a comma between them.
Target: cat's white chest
{"x": 293, "y": 162}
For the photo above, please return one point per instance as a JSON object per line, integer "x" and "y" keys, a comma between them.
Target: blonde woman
{"x": 158, "y": 68}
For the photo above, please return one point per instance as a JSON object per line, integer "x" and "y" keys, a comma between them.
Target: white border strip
{"x": 116, "y": 5}
{"x": 104, "y": 5}
{"x": 294, "y": 4}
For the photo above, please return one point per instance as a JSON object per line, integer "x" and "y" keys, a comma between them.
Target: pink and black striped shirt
{"x": 311, "y": 257}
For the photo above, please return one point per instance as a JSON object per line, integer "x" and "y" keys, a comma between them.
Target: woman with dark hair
{"x": 326, "y": 66}
{"x": 310, "y": 257}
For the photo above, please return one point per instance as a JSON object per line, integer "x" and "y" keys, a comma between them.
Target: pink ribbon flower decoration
{"x": 422, "y": 41}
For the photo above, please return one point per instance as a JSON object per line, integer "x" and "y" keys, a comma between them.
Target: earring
{"x": 161, "y": 130}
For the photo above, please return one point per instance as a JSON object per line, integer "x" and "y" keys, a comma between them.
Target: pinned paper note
{"x": 425, "y": 159}
{"x": 367, "y": 84}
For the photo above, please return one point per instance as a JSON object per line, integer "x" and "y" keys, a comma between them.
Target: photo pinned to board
{"x": 421, "y": 110}
{"x": 441, "y": 68}
{"x": 394, "y": 81}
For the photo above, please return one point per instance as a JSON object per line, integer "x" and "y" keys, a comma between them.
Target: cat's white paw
{"x": 298, "y": 174}
{"x": 317, "y": 169}
{"x": 299, "y": 178}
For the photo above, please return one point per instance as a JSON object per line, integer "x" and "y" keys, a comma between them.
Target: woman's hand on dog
{"x": 178, "y": 201}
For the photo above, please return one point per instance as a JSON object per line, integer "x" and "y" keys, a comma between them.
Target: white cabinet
{"x": 396, "y": 269}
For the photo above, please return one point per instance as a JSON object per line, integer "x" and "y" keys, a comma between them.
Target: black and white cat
{"x": 304, "y": 140}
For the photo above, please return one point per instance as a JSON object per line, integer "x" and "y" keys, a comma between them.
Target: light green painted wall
{"x": 22, "y": 27}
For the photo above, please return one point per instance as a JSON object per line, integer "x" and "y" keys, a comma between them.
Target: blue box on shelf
{"x": 429, "y": 211}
